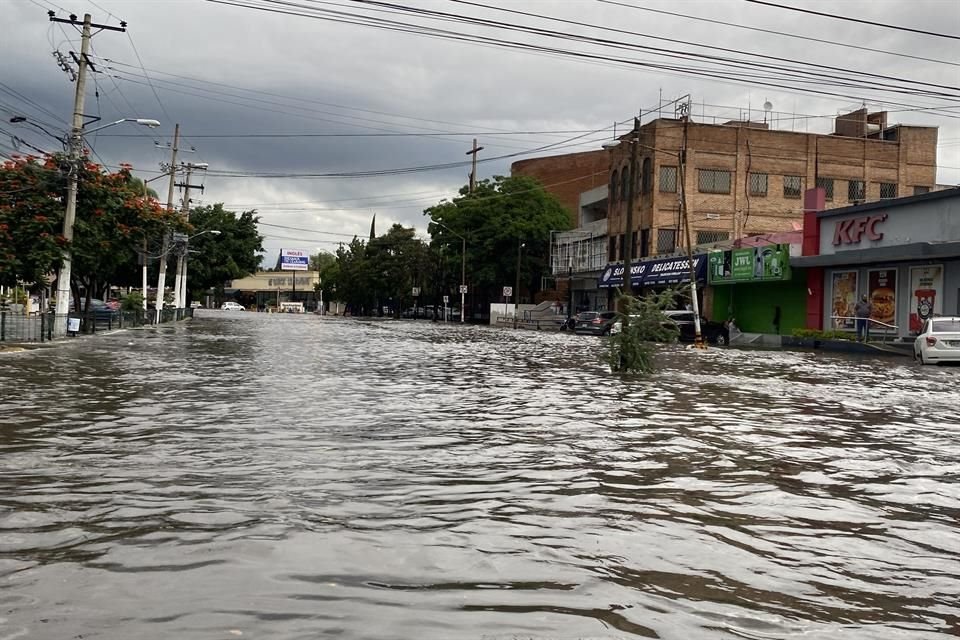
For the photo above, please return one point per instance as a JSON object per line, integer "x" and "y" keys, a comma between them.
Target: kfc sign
{"x": 853, "y": 230}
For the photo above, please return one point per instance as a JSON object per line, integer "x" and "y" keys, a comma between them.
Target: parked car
{"x": 597, "y": 323}
{"x": 712, "y": 332}
{"x": 939, "y": 341}
{"x": 231, "y": 306}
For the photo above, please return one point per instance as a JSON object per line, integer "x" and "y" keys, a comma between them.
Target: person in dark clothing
{"x": 863, "y": 311}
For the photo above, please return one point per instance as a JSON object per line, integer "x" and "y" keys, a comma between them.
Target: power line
{"x": 849, "y": 19}
{"x": 778, "y": 33}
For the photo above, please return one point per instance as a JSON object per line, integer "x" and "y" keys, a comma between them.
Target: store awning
{"x": 914, "y": 251}
{"x": 655, "y": 273}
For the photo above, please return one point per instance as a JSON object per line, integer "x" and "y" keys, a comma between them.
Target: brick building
{"x": 567, "y": 176}
{"x": 741, "y": 179}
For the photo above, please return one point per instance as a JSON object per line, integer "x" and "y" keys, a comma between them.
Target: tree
{"x": 235, "y": 253}
{"x": 642, "y": 323}
{"x": 113, "y": 218}
{"x": 494, "y": 219}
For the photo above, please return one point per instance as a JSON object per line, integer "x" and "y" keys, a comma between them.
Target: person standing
{"x": 863, "y": 311}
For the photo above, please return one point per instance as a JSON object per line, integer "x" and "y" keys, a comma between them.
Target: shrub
{"x": 642, "y": 323}
{"x": 133, "y": 301}
{"x": 818, "y": 334}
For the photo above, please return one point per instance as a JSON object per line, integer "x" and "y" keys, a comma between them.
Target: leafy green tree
{"x": 235, "y": 253}
{"x": 495, "y": 219}
{"x": 642, "y": 323}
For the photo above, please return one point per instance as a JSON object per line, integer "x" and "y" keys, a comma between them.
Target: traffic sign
{"x": 463, "y": 288}
{"x": 446, "y": 299}
{"x": 416, "y": 292}
{"x": 507, "y": 292}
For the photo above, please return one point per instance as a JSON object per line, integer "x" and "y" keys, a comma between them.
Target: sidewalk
{"x": 766, "y": 340}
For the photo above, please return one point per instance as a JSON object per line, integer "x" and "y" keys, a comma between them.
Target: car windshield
{"x": 948, "y": 325}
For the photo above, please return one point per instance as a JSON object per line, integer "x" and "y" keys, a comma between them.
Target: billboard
{"x": 655, "y": 273}
{"x": 843, "y": 299}
{"x": 882, "y": 289}
{"x": 926, "y": 294}
{"x": 294, "y": 260}
{"x": 751, "y": 264}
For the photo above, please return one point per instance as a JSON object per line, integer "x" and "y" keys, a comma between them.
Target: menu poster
{"x": 926, "y": 294}
{"x": 843, "y": 299}
{"x": 883, "y": 296}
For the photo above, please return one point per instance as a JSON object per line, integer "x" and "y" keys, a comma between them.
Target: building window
{"x": 612, "y": 253}
{"x": 621, "y": 242}
{"x": 710, "y": 237}
{"x": 713, "y": 181}
{"x": 827, "y": 185}
{"x": 614, "y": 183}
{"x": 758, "y": 184}
{"x": 792, "y": 186}
{"x": 919, "y": 191}
{"x": 668, "y": 179}
{"x": 647, "y": 172}
{"x": 855, "y": 191}
{"x": 666, "y": 240}
{"x": 888, "y": 190}
{"x": 644, "y": 243}
{"x": 625, "y": 183}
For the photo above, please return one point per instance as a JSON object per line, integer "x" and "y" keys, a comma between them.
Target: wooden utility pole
{"x": 473, "y": 170}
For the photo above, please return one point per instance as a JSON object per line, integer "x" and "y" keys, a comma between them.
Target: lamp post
{"x": 463, "y": 267}
{"x": 75, "y": 147}
{"x": 516, "y": 291}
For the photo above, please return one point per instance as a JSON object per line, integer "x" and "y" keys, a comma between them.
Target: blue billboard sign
{"x": 655, "y": 273}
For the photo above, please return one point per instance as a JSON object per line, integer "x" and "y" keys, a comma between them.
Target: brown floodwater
{"x": 288, "y": 477}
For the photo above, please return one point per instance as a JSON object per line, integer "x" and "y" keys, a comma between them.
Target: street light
{"x": 75, "y": 145}
{"x": 463, "y": 267}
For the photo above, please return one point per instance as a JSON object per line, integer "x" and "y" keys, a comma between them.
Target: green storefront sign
{"x": 754, "y": 264}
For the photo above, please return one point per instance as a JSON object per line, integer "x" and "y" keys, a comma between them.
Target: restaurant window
{"x": 888, "y": 190}
{"x": 919, "y": 191}
{"x": 713, "y": 181}
{"x": 855, "y": 191}
{"x": 827, "y": 185}
{"x": 710, "y": 236}
{"x": 758, "y": 184}
{"x": 792, "y": 186}
{"x": 668, "y": 179}
{"x": 666, "y": 240}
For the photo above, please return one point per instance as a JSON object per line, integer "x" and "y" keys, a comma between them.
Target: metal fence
{"x": 41, "y": 327}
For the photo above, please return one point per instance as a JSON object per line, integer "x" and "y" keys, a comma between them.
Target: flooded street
{"x": 282, "y": 477}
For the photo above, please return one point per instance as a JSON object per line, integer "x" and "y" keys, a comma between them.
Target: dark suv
{"x": 713, "y": 332}
{"x": 596, "y": 323}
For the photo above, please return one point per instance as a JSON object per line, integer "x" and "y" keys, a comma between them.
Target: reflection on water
{"x": 289, "y": 477}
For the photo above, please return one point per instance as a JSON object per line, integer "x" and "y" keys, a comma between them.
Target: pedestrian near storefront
{"x": 862, "y": 311}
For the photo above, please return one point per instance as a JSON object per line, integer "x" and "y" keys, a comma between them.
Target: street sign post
{"x": 507, "y": 292}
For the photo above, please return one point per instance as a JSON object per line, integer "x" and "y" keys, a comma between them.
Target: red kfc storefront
{"x": 902, "y": 253}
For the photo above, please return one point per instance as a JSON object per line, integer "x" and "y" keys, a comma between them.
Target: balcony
{"x": 584, "y": 249}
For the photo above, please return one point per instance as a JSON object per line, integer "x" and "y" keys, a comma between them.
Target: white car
{"x": 939, "y": 341}
{"x": 231, "y": 306}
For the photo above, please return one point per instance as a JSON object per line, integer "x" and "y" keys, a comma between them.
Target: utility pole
{"x": 161, "y": 279}
{"x": 516, "y": 292}
{"x": 685, "y": 213}
{"x": 631, "y": 196}
{"x": 74, "y": 151}
{"x": 178, "y": 296}
{"x": 473, "y": 170}
{"x": 185, "y": 258}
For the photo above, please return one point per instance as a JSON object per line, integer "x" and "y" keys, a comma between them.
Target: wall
{"x": 567, "y": 176}
{"x": 753, "y": 304}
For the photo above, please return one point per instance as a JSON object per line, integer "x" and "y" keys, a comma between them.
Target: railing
{"x": 40, "y": 327}
{"x": 871, "y": 321}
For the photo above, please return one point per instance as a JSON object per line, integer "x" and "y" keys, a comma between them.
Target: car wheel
{"x": 721, "y": 340}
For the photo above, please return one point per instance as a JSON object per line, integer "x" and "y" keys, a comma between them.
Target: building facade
{"x": 903, "y": 254}
{"x": 266, "y": 290}
{"x": 741, "y": 179}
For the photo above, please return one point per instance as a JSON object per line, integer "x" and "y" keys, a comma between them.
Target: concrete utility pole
{"x": 473, "y": 170}
{"x": 75, "y": 149}
{"x": 161, "y": 279}
{"x": 698, "y": 335}
{"x": 179, "y": 298}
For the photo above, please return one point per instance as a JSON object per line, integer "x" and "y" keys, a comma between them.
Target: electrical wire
{"x": 872, "y": 23}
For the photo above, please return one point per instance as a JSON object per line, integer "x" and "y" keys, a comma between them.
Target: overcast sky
{"x": 226, "y": 71}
